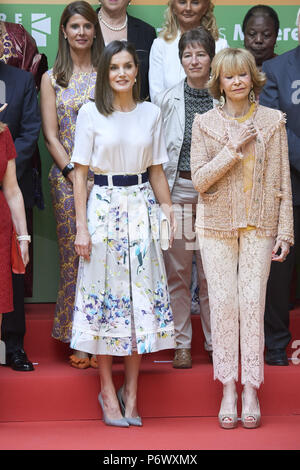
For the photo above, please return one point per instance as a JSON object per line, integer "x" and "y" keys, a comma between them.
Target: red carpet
{"x": 55, "y": 406}
{"x": 276, "y": 433}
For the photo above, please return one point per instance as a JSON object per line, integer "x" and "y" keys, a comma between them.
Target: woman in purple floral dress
{"x": 64, "y": 89}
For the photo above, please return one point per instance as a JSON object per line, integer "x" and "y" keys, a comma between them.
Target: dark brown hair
{"x": 63, "y": 66}
{"x": 198, "y": 35}
{"x": 104, "y": 96}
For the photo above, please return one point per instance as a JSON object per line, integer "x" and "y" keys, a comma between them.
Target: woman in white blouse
{"x": 181, "y": 15}
{"x": 122, "y": 305}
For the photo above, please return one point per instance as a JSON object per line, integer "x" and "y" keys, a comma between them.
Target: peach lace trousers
{"x": 237, "y": 271}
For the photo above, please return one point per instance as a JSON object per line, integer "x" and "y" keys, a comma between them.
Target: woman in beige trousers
{"x": 240, "y": 167}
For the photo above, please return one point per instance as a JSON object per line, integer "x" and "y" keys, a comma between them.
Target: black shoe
{"x": 19, "y": 361}
{"x": 276, "y": 357}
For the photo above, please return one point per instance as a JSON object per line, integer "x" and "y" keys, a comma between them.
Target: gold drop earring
{"x": 251, "y": 96}
{"x": 222, "y": 100}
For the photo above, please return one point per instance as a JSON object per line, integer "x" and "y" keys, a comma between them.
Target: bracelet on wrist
{"x": 26, "y": 238}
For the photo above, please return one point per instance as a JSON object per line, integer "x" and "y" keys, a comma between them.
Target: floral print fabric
{"x": 122, "y": 301}
{"x": 68, "y": 102}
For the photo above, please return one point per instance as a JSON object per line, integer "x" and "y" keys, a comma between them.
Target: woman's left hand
{"x": 284, "y": 251}
{"x": 24, "y": 247}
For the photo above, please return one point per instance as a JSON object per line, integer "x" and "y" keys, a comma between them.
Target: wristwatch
{"x": 67, "y": 169}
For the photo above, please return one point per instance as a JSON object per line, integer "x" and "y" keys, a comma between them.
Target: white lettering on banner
{"x": 3, "y": 17}
{"x": 238, "y": 34}
{"x": 295, "y": 355}
{"x": 296, "y": 94}
{"x": 41, "y": 26}
{"x": 284, "y": 34}
{"x": 222, "y": 33}
{"x": 18, "y": 18}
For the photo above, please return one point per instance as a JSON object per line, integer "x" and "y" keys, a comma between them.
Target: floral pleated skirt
{"x": 122, "y": 301}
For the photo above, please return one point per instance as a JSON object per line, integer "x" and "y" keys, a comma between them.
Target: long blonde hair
{"x": 171, "y": 25}
{"x": 2, "y": 126}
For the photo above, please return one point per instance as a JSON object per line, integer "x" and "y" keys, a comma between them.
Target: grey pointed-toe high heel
{"x": 112, "y": 422}
{"x": 133, "y": 421}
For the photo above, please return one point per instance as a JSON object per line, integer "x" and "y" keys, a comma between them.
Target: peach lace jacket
{"x": 217, "y": 174}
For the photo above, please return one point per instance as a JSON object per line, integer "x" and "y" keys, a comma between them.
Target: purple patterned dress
{"x": 68, "y": 102}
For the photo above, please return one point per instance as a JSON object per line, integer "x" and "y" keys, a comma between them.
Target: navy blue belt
{"x": 121, "y": 180}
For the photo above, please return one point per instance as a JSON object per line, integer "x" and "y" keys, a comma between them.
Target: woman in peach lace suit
{"x": 240, "y": 167}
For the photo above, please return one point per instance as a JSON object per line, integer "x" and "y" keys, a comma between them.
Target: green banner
{"x": 42, "y": 21}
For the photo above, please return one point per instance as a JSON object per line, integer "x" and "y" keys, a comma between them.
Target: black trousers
{"x": 277, "y": 315}
{"x": 13, "y": 323}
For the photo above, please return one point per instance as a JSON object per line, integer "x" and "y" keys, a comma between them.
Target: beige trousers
{"x": 237, "y": 271}
{"x": 178, "y": 262}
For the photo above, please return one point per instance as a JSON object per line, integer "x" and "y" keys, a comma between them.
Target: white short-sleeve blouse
{"x": 121, "y": 143}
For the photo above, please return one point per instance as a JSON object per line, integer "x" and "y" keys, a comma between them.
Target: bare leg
{"x": 108, "y": 392}
{"x": 228, "y": 410}
{"x": 251, "y": 409}
{"x": 229, "y": 395}
{"x": 132, "y": 367}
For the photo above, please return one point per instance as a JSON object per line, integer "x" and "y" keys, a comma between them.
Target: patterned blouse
{"x": 196, "y": 101}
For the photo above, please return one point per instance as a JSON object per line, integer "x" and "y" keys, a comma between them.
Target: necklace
{"x": 112, "y": 28}
{"x": 242, "y": 117}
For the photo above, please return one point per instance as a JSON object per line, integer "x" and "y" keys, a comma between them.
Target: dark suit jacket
{"x": 23, "y": 119}
{"x": 282, "y": 91}
{"x": 142, "y": 35}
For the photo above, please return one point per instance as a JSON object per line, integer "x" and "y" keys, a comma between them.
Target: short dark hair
{"x": 103, "y": 93}
{"x": 261, "y": 10}
{"x": 198, "y": 35}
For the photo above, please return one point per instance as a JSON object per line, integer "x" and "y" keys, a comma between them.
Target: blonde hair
{"x": 2, "y": 126}
{"x": 231, "y": 61}
{"x": 171, "y": 26}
